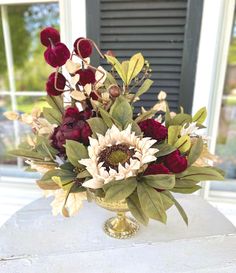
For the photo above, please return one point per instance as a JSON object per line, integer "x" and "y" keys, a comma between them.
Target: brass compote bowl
{"x": 120, "y": 226}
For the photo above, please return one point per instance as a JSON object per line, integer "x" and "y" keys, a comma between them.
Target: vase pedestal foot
{"x": 121, "y": 226}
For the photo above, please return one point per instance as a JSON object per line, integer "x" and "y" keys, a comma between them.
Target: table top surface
{"x": 34, "y": 241}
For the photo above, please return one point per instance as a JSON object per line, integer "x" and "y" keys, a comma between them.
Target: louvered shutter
{"x": 166, "y": 32}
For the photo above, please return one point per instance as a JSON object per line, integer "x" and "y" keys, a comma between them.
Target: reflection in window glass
{"x": 26, "y": 21}
{"x": 226, "y": 140}
{"x": 7, "y": 140}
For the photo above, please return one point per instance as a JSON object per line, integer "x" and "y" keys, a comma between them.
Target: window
{"x": 23, "y": 71}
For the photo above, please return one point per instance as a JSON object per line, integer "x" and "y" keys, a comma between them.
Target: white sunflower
{"x": 117, "y": 155}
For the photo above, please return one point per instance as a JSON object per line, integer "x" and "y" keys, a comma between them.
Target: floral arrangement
{"x": 90, "y": 141}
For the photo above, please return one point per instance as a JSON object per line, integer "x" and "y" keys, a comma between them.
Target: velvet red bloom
{"x": 57, "y": 55}
{"x": 156, "y": 168}
{"x": 175, "y": 162}
{"x": 60, "y": 84}
{"x": 154, "y": 129}
{"x": 73, "y": 127}
{"x": 86, "y": 76}
{"x": 85, "y": 47}
{"x": 49, "y": 36}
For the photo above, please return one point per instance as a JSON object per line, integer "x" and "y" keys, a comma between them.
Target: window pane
{"x": 26, "y": 21}
{"x": 226, "y": 141}
{"x": 3, "y": 65}
{"x": 7, "y": 140}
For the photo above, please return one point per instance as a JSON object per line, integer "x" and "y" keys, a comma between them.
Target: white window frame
{"x": 215, "y": 37}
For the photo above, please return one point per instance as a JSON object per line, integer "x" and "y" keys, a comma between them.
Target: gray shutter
{"x": 162, "y": 30}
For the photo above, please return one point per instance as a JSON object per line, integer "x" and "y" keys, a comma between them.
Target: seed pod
{"x": 114, "y": 90}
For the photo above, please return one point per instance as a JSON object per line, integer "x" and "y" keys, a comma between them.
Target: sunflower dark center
{"x": 115, "y": 155}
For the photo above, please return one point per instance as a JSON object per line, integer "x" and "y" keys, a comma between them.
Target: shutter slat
{"x": 155, "y": 28}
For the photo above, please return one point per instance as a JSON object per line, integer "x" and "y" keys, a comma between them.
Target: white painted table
{"x": 33, "y": 241}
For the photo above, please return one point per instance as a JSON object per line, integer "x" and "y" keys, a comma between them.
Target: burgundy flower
{"x": 49, "y": 36}
{"x": 175, "y": 162}
{"x": 93, "y": 96}
{"x": 154, "y": 129}
{"x": 156, "y": 168}
{"x": 60, "y": 84}
{"x": 73, "y": 127}
{"x": 86, "y": 76}
{"x": 57, "y": 55}
{"x": 85, "y": 47}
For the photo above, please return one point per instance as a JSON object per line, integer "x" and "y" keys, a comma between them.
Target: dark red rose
{"x": 73, "y": 127}
{"x": 49, "y": 36}
{"x": 57, "y": 55}
{"x": 85, "y": 47}
{"x": 175, "y": 162}
{"x": 156, "y": 168}
{"x": 93, "y": 96}
{"x": 60, "y": 84}
{"x": 154, "y": 129}
{"x": 86, "y": 76}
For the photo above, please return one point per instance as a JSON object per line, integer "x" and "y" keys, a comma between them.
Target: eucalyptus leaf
{"x": 97, "y": 125}
{"x": 195, "y": 151}
{"x": 121, "y": 190}
{"x": 75, "y": 151}
{"x": 135, "y": 208}
{"x": 108, "y": 119}
{"x": 200, "y": 116}
{"x": 151, "y": 202}
{"x": 47, "y": 185}
{"x": 83, "y": 174}
{"x": 185, "y": 183}
{"x": 26, "y": 154}
{"x": 159, "y": 181}
{"x": 167, "y": 202}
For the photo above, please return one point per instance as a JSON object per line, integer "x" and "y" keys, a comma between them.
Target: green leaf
{"x": 56, "y": 102}
{"x": 83, "y": 174}
{"x": 144, "y": 87}
{"x": 67, "y": 166}
{"x": 134, "y": 127}
{"x": 26, "y": 154}
{"x": 178, "y": 206}
{"x": 185, "y": 183}
{"x": 151, "y": 202}
{"x": 52, "y": 116}
{"x": 201, "y": 174}
{"x": 108, "y": 119}
{"x": 173, "y": 134}
{"x": 145, "y": 115}
{"x": 159, "y": 181}
{"x": 110, "y": 80}
{"x": 167, "y": 202}
{"x": 97, "y": 125}
{"x": 164, "y": 149}
{"x": 183, "y": 144}
{"x": 181, "y": 119}
{"x": 187, "y": 190}
{"x": 195, "y": 151}
{"x": 136, "y": 64}
{"x": 117, "y": 65}
{"x": 200, "y": 116}
{"x": 121, "y": 110}
{"x": 75, "y": 151}
{"x": 47, "y": 185}
{"x": 135, "y": 208}
{"x": 121, "y": 190}
{"x": 125, "y": 68}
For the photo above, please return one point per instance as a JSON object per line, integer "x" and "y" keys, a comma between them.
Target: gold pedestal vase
{"x": 120, "y": 226}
